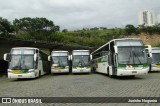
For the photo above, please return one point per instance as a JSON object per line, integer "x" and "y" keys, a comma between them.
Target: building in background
{"x": 147, "y": 18}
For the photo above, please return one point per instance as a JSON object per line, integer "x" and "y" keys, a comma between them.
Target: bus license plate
{"x": 134, "y": 71}
{"x": 19, "y": 75}
{"x": 81, "y": 70}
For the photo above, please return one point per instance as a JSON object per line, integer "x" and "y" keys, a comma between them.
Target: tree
{"x": 5, "y": 27}
{"x": 149, "y": 30}
{"x": 129, "y": 29}
{"x": 64, "y": 30}
{"x": 34, "y": 25}
{"x": 35, "y": 28}
{"x": 156, "y": 28}
{"x": 95, "y": 28}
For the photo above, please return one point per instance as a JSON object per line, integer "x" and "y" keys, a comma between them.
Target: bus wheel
{"x": 93, "y": 70}
{"x": 149, "y": 71}
{"x": 111, "y": 76}
{"x": 39, "y": 74}
{"x": 108, "y": 71}
{"x": 132, "y": 76}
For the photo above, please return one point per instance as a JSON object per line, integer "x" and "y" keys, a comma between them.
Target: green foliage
{"x": 35, "y": 24}
{"x": 130, "y": 29}
{"x": 43, "y": 29}
{"x": 35, "y": 28}
{"x": 149, "y": 29}
{"x": 64, "y": 30}
{"x": 5, "y": 28}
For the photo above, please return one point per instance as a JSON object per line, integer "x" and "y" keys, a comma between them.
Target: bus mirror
{"x": 91, "y": 57}
{"x": 35, "y": 57}
{"x": 49, "y": 58}
{"x": 148, "y": 46}
{"x": 6, "y": 56}
{"x": 149, "y": 60}
{"x": 115, "y": 48}
{"x": 71, "y": 57}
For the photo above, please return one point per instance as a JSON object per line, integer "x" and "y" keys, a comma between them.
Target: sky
{"x": 79, "y": 14}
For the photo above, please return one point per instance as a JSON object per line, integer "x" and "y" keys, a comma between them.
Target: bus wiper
{"x": 62, "y": 65}
{"x": 18, "y": 66}
{"x": 137, "y": 57}
{"x": 129, "y": 58}
{"x": 83, "y": 62}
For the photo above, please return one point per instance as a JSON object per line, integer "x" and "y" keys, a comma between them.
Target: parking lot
{"x": 82, "y": 85}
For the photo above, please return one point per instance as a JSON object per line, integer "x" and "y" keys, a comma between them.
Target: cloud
{"x": 78, "y": 14}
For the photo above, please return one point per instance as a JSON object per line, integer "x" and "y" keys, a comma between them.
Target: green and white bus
{"x": 121, "y": 57}
{"x": 26, "y": 62}
{"x": 59, "y": 61}
{"x": 81, "y": 60}
{"x": 154, "y": 54}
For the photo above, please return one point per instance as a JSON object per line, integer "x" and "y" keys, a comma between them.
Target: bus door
{"x": 115, "y": 64}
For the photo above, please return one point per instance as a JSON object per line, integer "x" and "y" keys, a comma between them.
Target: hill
{"x": 148, "y": 39}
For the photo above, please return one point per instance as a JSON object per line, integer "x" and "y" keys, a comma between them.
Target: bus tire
{"x": 111, "y": 76}
{"x": 132, "y": 76}
{"x": 39, "y": 74}
{"x": 93, "y": 70}
{"x": 149, "y": 69}
{"x": 108, "y": 71}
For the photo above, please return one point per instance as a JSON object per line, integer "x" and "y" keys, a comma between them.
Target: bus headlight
{"x": 31, "y": 70}
{"x": 9, "y": 71}
{"x": 67, "y": 66}
{"x": 153, "y": 65}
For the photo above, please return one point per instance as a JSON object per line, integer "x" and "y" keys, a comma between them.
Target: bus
{"x": 81, "y": 60}
{"x": 59, "y": 61}
{"x": 121, "y": 57}
{"x": 26, "y": 62}
{"x": 154, "y": 54}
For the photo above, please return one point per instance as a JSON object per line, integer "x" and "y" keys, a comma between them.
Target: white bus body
{"x": 59, "y": 61}
{"x": 154, "y": 53}
{"x": 81, "y": 61}
{"x": 26, "y": 62}
{"x": 121, "y": 57}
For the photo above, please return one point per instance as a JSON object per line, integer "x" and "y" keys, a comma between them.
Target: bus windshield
{"x": 21, "y": 61}
{"x": 60, "y": 60}
{"x": 132, "y": 55}
{"x": 81, "y": 60}
{"x": 156, "y": 58}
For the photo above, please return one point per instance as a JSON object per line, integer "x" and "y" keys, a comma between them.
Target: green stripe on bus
{"x": 133, "y": 65}
{"x": 102, "y": 59}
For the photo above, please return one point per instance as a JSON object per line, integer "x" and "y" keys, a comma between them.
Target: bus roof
{"x": 24, "y": 48}
{"x": 80, "y": 50}
{"x": 114, "y": 41}
{"x": 59, "y": 51}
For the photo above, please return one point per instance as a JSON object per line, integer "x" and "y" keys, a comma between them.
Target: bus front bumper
{"x": 27, "y": 75}
{"x": 123, "y": 72}
{"x": 154, "y": 68}
{"x": 60, "y": 71}
{"x": 81, "y": 70}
